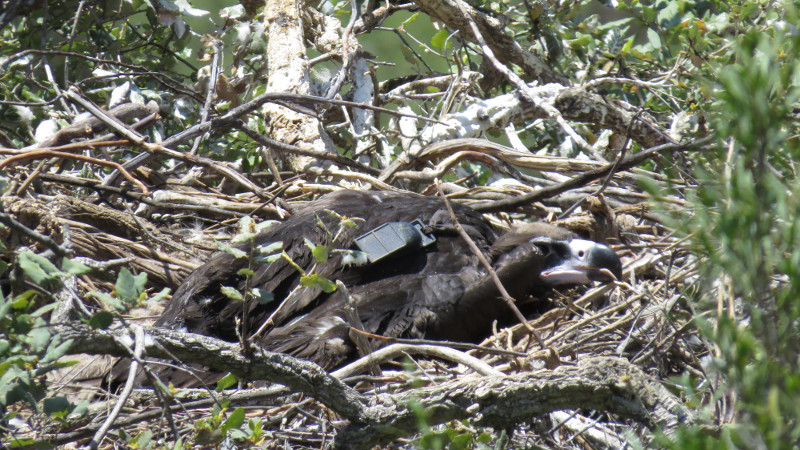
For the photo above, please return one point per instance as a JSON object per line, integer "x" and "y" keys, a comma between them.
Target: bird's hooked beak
{"x": 578, "y": 261}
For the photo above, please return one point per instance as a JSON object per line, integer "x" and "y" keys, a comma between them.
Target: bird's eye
{"x": 580, "y": 254}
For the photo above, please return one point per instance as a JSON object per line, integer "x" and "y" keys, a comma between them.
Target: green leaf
{"x": 161, "y": 295}
{"x": 614, "y": 24}
{"x": 38, "y": 338}
{"x": 434, "y": 439}
{"x": 269, "y": 259}
{"x": 56, "y": 350}
{"x": 44, "y": 310}
{"x": 256, "y": 426}
{"x": 317, "y": 281}
{"x": 245, "y": 272}
{"x": 243, "y": 237}
{"x": 411, "y": 19}
{"x": 234, "y": 420}
{"x": 5, "y": 307}
{"x": 263, "y": 296}
{"x": 670, "y": 15}
{"x": 20, "y": 302}
{"x": 22, "y": 323}
{"x": 226, "y": 382}
{"x": 408, "y": 55}
{"x": 130, "y": 287}
{"x": 82, "y": 409}
{"x": 74, "y": 267}
{"x": 581, "y": 41}
{"x": 320, "y": 252}
{"x": 748, "y": 7}
{"x": 649, "y": 13}
{"x": 439, "y": 40}
{"x": 626, "y": 48}
{"x": 55, "y": 405}
{"x": 49, "y": 367}
{"x": 144, "y": 438}
{"x": 15, "y": 442}
{"x": 37, "y": 268}
{"x": 461, "y": 441}
{"x": 270, "y": 248}
{"x": 247, "y": 225}
{"x": 653, "y": 38}
{"x": 231, "y": 293}
{"x": 261, "y": 226}
{"x": 109, "y": 300}
{"x": 233, "y": 251}
{"x": 101, "y": 320}
{"x": 350, "y": 222}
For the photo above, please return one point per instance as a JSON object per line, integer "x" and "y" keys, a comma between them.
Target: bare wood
{"x": 351, "y": 314}
{"x": 505, "y": 46}
{"x": 126, "y": 391}
{"x": 601, "y": 383}
{"x": 587, "y": 177}
{"x": 288, "y": 72}
{"x": 391, "y": 352}
{"x": 429, "y": 342}
{"x": 40, "y": 154}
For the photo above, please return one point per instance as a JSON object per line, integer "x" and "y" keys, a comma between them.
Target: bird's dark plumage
{"x": 439, "y": 292}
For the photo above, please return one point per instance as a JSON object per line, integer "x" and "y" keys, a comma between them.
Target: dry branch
{"x": 587, "y": 177}
{"x": 504, "y": 46}
{"x": 601, "y": 383}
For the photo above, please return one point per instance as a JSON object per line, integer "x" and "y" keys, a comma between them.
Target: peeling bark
{"x": 601, "y": 383}
{"x": 288, "y": 72}
{"x": 504, "y": 46}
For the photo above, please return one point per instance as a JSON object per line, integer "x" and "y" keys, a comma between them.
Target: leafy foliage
{"x": 744, "y": 228}
{"x": 214, "y": 428}
{"x": 28, "y": 351}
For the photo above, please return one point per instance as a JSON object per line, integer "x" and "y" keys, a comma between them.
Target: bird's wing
{"x": 199, "y": 306}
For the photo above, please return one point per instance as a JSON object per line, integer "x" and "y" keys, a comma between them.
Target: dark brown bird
{"x": 438, "y": 291}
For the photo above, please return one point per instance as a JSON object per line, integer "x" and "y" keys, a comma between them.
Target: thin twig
{"x": 551, "y": 110}
{"x": 392, "y": 351}
{"x": 38, "y": 154}
{"x": 613, "y": 170}
{"x": 507, "y": 298}
{"x": 211, "y": 93}
{"x": 15, "y": 226}
{"x": 232, "y": 119}
{"x": 138, "y": 349}
{"x": 338, "y": 79}
{"x": 356, "y": 327}
{"x": 587, "y": 177}
{"x": 463, "y": 345}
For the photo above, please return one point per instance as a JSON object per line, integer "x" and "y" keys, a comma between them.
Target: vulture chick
{"x": 435, "y": 289}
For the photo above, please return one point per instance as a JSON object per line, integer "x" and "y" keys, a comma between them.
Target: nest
{"x": 638, "y": 330}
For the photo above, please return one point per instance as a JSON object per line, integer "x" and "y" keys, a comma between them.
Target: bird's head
{"x": 577, "y": 261}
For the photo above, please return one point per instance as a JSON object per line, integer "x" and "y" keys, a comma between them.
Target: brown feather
{"x": 440, "y": 292}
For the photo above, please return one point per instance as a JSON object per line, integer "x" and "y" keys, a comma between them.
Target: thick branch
{"x": 504, "y": 45}
{"x": 601, "y": 383}
{"x": 89, "y": 126}
{"x": 224, "y": 356}
{"x": 575, "y": 104}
